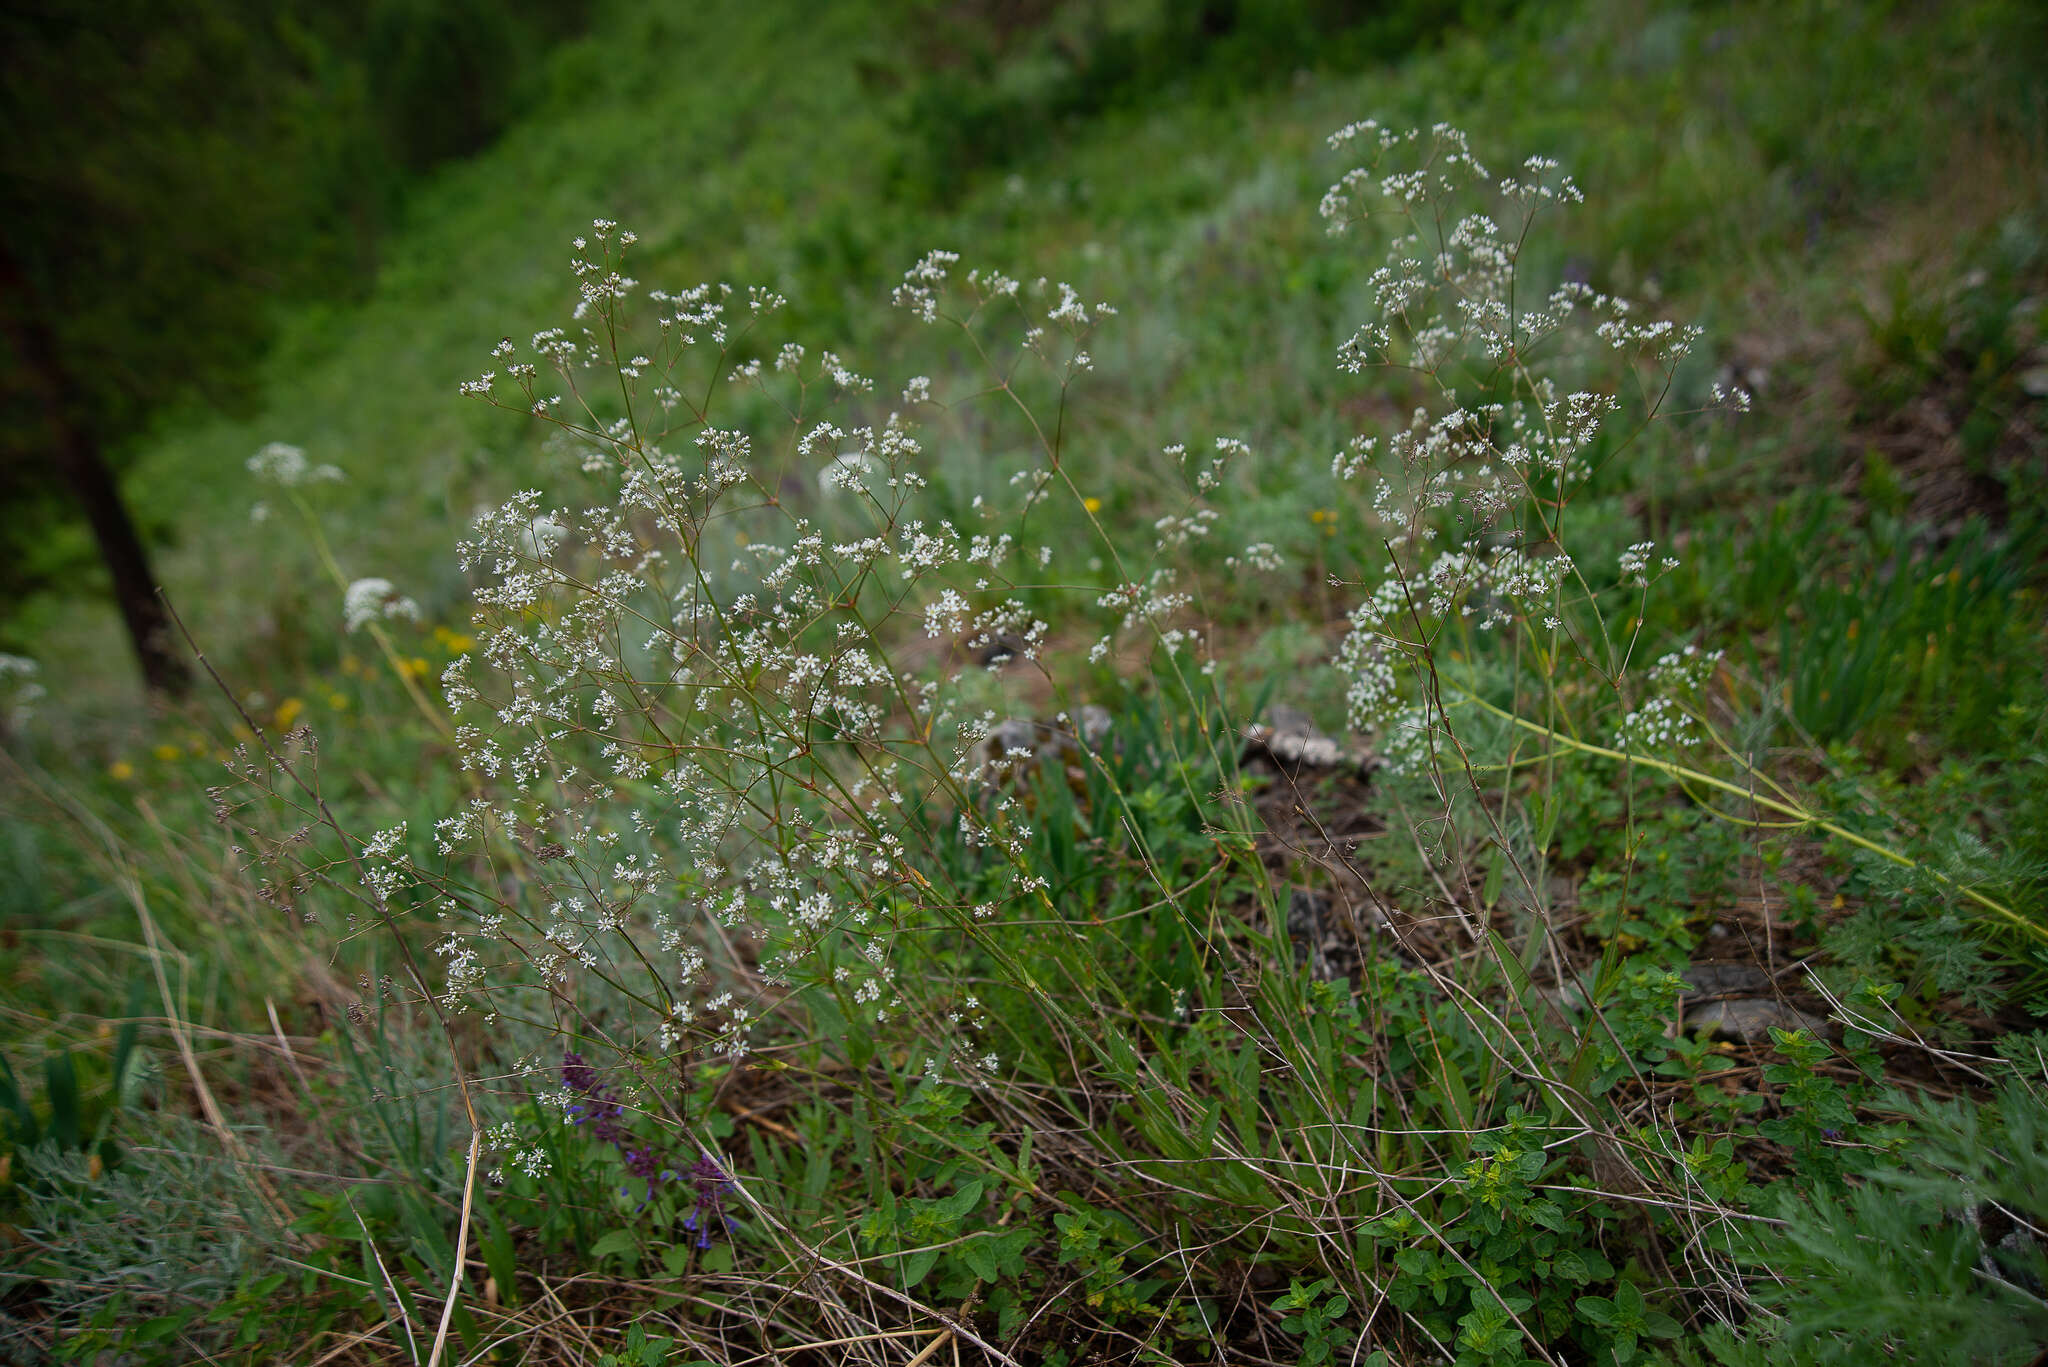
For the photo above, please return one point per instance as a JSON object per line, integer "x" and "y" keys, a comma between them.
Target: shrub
{"x": 746, "y": 833}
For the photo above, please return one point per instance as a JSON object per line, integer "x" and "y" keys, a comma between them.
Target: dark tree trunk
{"x": 76, "y": 458}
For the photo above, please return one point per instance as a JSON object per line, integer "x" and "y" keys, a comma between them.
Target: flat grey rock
{"x": 1750, "y": 1019}
{"x": 1306, "y": 912}
{"x": 1024, "y": 741}
{"x": 1307, "y": 923}
{"x": 1717, "y": 980}
{"x": 1013, "y": 734}
{"x": 1289, "y": 736}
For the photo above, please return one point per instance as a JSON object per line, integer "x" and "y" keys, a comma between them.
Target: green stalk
{"x": 1798, "y": 814}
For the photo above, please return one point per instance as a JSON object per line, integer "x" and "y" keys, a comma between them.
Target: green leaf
{"x": 1205, "y": 1132}
{"x": 964, "y": 1199}
{"x": 619, "y": 1243}
{"x": 429, "y": 1240}
{"x": 60, "y": 1084}
{"x": 1596, "y": 1310}
{"x": 993, "y": 1257}
{"x": 1659, "y": 1325}
{"x": 1455, "y": 1091}
{"x": 495, "y": 1243}
{"x": 1301, "y": 1295}
{"x": 917, "y": 1265}
{"x": 980, "y": 1257}
{"x": 881, "y": 1221}
{"x": 124, "y": 1041}
{"x": 26, "y": 1130}
{"x": 158, "y": 1329}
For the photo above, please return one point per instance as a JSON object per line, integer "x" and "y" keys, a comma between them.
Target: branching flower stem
{"x": 435, "y": 717}
{"x": 1799, "y": 815}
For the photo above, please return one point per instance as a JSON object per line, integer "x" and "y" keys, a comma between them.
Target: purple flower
{"x": 712, "y": 1183}
{"x": 578, "y": 1075}
{"x": 645, "y": 1164}
{"x": 601, "y": 1110}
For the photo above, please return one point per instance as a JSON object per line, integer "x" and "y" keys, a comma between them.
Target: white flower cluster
{"x": 1260, "y": 555}
{"x": 386, "y": 870}
{"x": 1686, "y": 671}
{"x": 924, "y": 282}
{"x": 20, "y": 690}
{"x": 1667, "y": 721}
{"x": 1636, "y": 568}
{"x": 1659, "y": 724}
{"x": 691, "y": 729}
{"x": 369, "y": 600}
{"x": 1402, "y": 616}
{"x": 1473, "y": 495}
{"x": 286, "y": 467}
{"x": 1405, "y": 742}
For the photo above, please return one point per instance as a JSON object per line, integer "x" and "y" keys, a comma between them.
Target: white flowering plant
{"x": 740, "y": 802}
{"x": 734, "y": 787}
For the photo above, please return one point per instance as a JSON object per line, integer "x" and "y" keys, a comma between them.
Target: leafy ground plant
{"x": 738, "y": 804}
{"x": 848, "y": 914}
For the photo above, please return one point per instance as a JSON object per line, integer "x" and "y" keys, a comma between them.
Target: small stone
{"x": 1000, "y": 651}
{"x": 1012, "y": 747}
{"x": 1722, "y": 979}
{"x": 1305, "y": 913}
{"x": 1289, "y": 737}
{"x": 1305, "y": 927}
{"x": 1750, "y": 1019}
{"x": 1013, "y": 734}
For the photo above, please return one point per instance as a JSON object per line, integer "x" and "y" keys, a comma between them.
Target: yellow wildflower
{"x": 288, "y": 712}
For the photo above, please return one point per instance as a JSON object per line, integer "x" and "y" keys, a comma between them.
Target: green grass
{"x": 1196, "y": 1147}
{"x": 773, "y": 164}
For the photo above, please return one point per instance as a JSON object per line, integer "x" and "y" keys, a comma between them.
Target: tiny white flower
{"x": 848, "y": 471}
{"x": 367, "y": 600}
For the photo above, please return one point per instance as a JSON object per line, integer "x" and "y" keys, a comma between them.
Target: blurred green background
{"x": 307, "y": 223}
